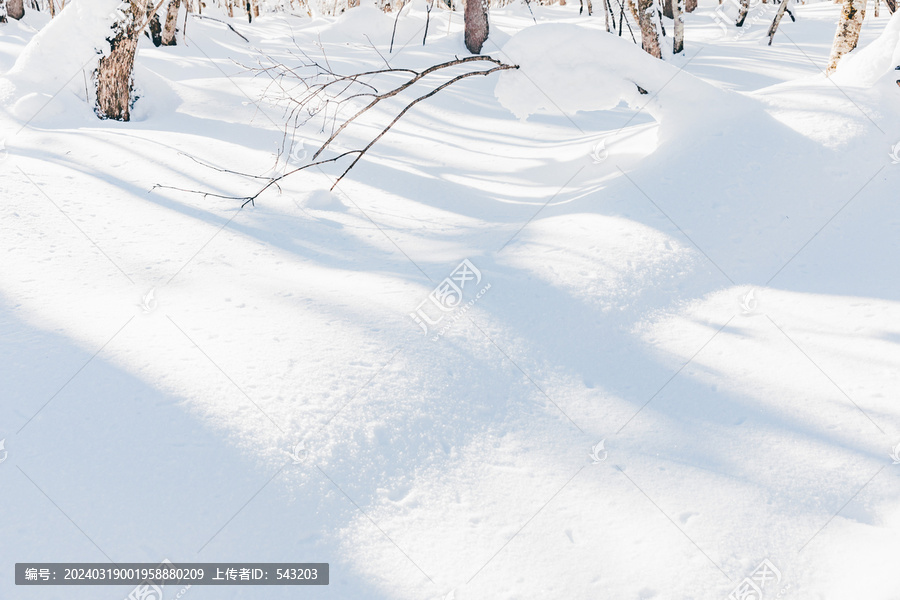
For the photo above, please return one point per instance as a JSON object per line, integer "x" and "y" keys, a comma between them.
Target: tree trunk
{"x": 847, "y": 34}
{"x": 649, "y": 36}
{"x": 678, "y": 12}
{"x": 15, "y": 9}
{"x": 113, "y": 74}
{"x": 168, "y": 34}
{"x": 153, "y": 24}
{"x": 477, "y": 28}
{"x": 877, "y": 2}
{"x": 892, "y": 5}
{"x": 255, "y": 4}
{"x": 668, "y": 8}
{"x": 777, "y": 20}
{"x": 742, "y": 14}
{"x": 691, "y": 5}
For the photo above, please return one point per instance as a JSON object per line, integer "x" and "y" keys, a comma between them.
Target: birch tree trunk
{"x": 649, "y": 36}
{"x": 15, "y": 9}
{"x": 678, "y": 13}
{"x": 2, "y": 11}
{"x": 742, "y": 14}
{"x": 847, "y": 35}
{"x": 877, "y": 2}
{"x": 169, "y": 29}
{"x": 892, "y": 5}
{"x": 477, "y": 28}
{"x": 113, "y": 75}
{"x": 774, "y": 27}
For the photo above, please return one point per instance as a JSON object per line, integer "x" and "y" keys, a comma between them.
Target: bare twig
{"x": 337, "y": 90}
{"x": 196, "y": 16}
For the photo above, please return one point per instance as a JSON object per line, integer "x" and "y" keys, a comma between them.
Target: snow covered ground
{"x": 703, "y": 278}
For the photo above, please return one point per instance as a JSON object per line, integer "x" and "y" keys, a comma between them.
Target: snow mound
{"x": 589, "y": 70}
{"x": 866, "y": 66}
{"x": 69, "y": 43}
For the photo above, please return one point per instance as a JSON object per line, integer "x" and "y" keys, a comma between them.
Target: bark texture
{"x": 15, "y": 9}
{"x": 113, "y": 75}
{"x": 649, "y": 35}
{"x": 477, "y": 27}
{"x": 170, "y": 28}
{"x": 678, "y": 11}
{"x": 774, "y": 27}
{"x": 690, "y": 6}
{"x": 847, "y": 35}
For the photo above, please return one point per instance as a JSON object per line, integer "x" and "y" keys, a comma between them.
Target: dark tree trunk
{"x": 691, "y": 5}
{"x": 668, "y": 9}
{"x": 477, "y": 27}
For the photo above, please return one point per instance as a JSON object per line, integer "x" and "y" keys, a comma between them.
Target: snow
{"x": 703, "y": 277}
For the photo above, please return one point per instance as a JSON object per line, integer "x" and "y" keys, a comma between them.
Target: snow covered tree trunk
{"x": 847, "y": 35}
{"x": 169, "y": 29}
{"x": 113, "y": 74}
{"x": 477, "y": 28}
{"x": 15, "y": 9}
{"x": 678, "y": 12}
{"x": 649, "y": 36}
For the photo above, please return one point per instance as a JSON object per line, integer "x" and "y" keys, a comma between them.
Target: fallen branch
{"x": 345, "y": 93}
